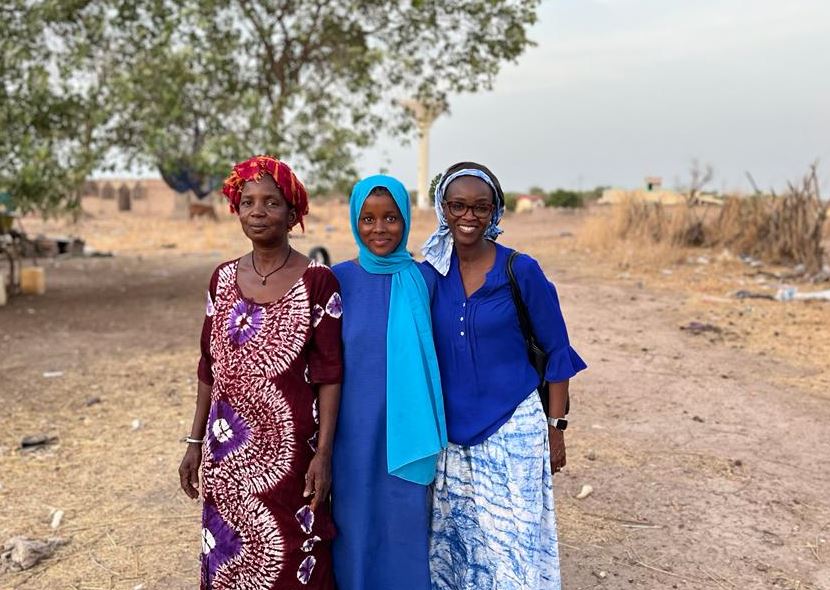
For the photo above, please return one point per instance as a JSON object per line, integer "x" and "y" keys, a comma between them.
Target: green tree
{"x": 510, "y": 200}
{"x": 563, "y": 198}
{"x": 206, "y": 82}
{"x": 193, "y": 85}
{"x": 52, "y": 102}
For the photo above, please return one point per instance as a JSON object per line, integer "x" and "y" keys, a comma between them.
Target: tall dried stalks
{"x": 655, "y": 222}
{"x": 787, "y": 229}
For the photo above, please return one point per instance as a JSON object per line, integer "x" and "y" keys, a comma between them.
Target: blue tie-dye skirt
{"x": 493, "y": 519}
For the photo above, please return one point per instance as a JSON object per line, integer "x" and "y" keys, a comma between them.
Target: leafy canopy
{"x": 52, "y": 102}
{"x": 194, "y": 85}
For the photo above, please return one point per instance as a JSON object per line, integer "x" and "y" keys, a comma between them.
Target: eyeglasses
{"x": 459, "y": 209}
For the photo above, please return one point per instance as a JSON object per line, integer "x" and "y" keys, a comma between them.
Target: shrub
{"x": 510, "y": 201}
{"x": 564, "y": 198}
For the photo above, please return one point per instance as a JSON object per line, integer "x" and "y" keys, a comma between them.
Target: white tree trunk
{"x": 423, "y": 166}
{"x": 425, "y": 115}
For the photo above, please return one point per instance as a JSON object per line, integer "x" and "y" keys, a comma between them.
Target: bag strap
{"x": 524, "y": 322}
{"x": 521, "y": 308}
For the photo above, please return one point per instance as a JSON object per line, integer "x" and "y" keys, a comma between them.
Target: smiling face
{"x": 468, "y": 207}
{"x": 380, "y": 225}
{"x": 265, "y": 215}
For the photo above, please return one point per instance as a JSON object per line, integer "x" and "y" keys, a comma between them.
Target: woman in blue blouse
{"x": 493, "y": 520}
{"x": 391, "y": 424}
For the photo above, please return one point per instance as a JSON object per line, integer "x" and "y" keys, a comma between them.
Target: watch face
{"x": 558, "y": 423}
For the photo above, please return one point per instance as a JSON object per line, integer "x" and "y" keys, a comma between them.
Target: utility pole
{"x": 425, "y": 114}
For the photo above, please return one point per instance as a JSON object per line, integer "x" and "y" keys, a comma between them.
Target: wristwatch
{"x": 558, "y": 423}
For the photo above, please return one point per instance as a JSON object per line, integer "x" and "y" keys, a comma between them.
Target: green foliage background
{"x": 200, "y": 84}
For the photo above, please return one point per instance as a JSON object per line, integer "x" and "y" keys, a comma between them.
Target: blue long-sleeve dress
{"x": 382, "y": 520}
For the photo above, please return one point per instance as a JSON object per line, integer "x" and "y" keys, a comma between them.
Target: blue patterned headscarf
{"x": 415, "y": 427}
{"x": 437, "y": 250}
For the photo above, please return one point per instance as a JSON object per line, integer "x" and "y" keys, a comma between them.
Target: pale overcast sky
{"x": 619, "y": 89}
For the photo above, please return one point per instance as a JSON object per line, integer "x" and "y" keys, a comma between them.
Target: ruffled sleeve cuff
{"x": 563, "y": 364}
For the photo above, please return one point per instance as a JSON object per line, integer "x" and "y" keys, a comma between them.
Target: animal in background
{"x": 202, "y": 210}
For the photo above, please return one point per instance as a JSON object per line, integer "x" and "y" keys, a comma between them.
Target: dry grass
{"x": 782, "y": 230}
{"x": 636, "y": 233}
{"x": 655, "y": 222}
{"x": 788, "y": 229}
{"x": 115, "y": 484}
{"x": 741, "y": 222}
{"x": 622, "y": 242}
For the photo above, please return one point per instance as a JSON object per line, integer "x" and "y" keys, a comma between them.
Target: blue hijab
{"x": 415, "y": 427}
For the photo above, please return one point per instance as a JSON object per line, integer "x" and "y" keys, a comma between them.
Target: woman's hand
{"x": 557, "y": 449}
{"x": 189, "y": 470}
{"x": 318, "y": 479}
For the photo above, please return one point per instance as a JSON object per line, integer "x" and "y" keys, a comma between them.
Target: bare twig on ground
{"x": 624, "y": 521}
{"x": 662, "y": 571}
{"x": 814, "y": 548}
{"x": 717, "y": 579}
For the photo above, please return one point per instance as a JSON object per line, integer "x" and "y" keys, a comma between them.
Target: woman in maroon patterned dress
{"x": 269, "y": 390}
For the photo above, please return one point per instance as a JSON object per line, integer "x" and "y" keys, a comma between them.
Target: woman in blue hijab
{"x": 391, "y": 426}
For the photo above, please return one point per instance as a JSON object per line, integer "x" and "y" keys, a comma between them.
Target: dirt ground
{"x": 708, "y": 455}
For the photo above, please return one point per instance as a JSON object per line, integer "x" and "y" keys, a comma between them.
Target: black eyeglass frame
{"x": 490, "y": 208}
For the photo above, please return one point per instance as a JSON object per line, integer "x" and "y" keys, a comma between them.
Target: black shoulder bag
{"x": 538, "y": 357}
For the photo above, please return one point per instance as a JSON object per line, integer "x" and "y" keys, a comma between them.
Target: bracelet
{"x": 192, "y": 441}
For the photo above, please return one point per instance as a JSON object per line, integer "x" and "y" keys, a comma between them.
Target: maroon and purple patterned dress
{"x": 264, "y": 361}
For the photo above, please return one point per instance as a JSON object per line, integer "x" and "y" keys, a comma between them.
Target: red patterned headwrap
{"x": 254, "y": 169}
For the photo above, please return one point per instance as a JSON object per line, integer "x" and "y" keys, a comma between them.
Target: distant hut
{"x": 91, "y": 189}
{"x": 653, "y": 183}
{"x": 652, "y": 192}
{"x": 108, "y": 191}
{"x": 139, "y": 191}
{"x": 124, "y": 201}
{"x": 529, "y": 202}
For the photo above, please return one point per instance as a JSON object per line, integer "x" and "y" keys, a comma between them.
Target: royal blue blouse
{"x": 485, "y": 370}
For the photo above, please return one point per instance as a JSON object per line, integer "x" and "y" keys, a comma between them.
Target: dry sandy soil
{"x": 708, "y": 454}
